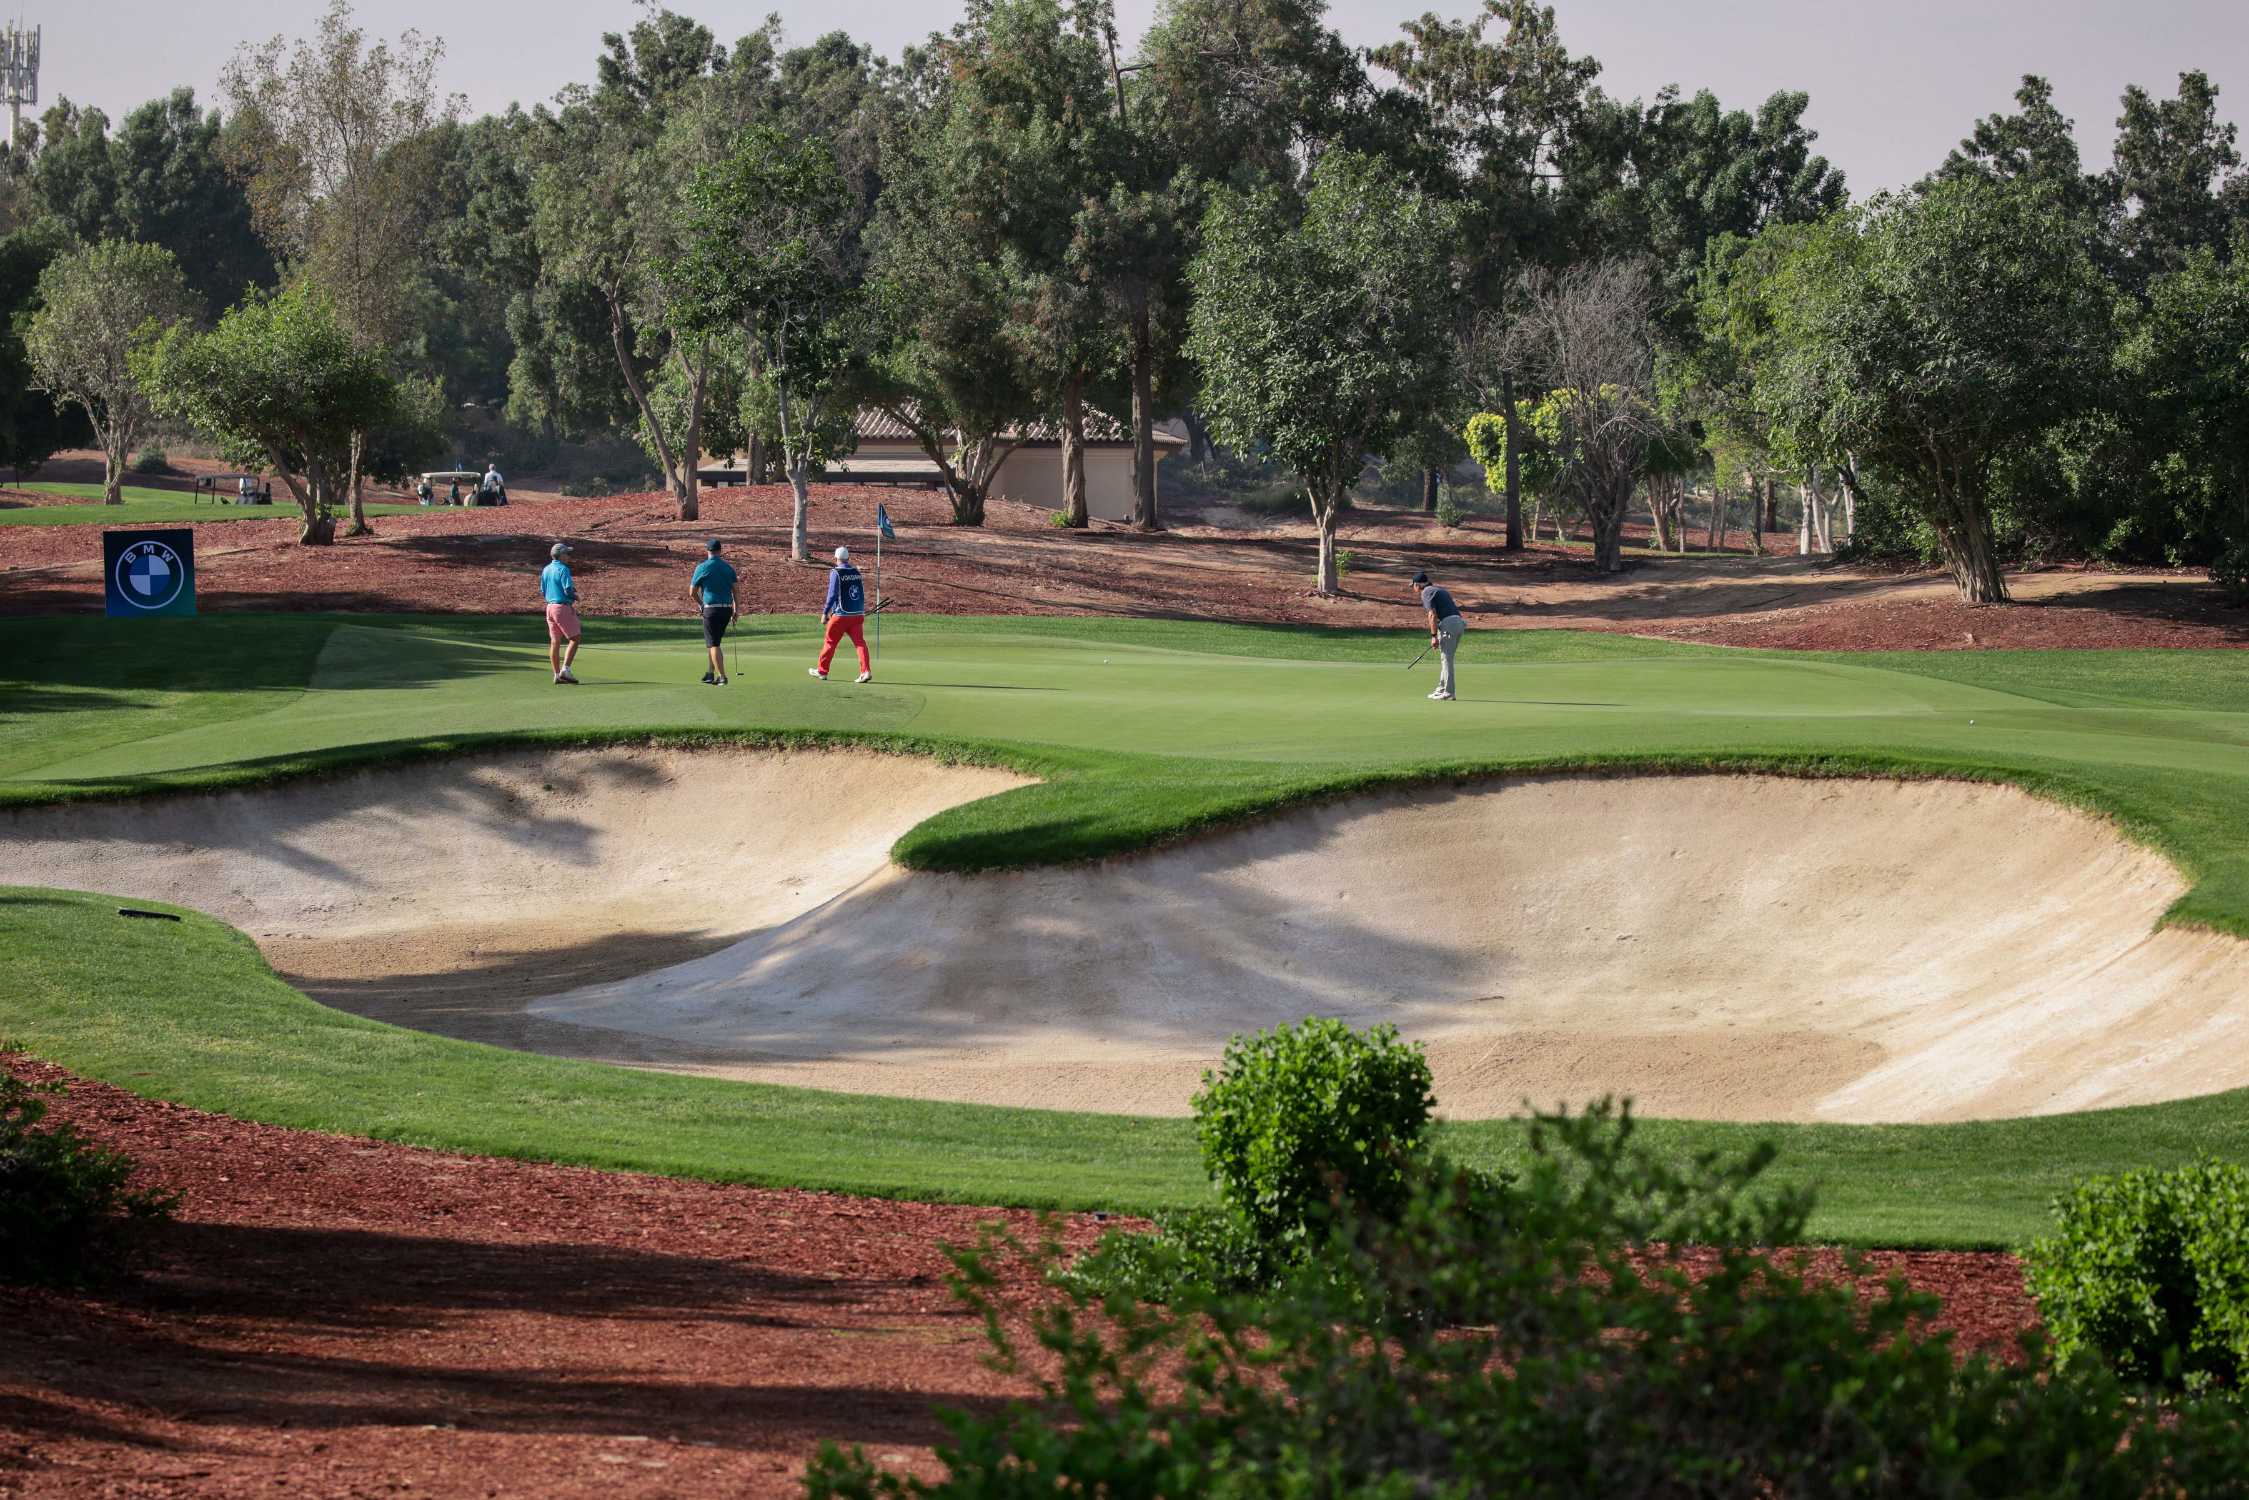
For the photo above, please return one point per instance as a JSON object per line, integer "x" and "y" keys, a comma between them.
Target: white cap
{"x": 843, "y": 554}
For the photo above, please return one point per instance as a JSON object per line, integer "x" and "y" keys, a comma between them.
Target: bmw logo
{"x": 149, "y": 575}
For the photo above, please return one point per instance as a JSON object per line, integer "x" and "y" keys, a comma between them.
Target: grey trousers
{"x": 1448, "y": 641}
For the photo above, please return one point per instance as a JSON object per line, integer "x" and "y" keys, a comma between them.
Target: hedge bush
{"x": 1546, "y": 1341}
{"x": 152, "y": 461}
{"x": 1301, "y": 1116}
{"x": 2149, "y": 1273}
{"x": 67, "y": 1206}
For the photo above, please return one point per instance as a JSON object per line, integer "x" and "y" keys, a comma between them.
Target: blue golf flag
{"x": 882, "y": 522}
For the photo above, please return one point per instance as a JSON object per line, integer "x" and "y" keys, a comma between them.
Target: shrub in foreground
{"x": 1302, "y": 1115}
{"x": 1544, "y": 1340}
{"x": 2149, "y": 1273}
{"x": 67, "y": 1206}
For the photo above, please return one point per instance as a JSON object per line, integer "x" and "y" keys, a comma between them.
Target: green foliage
{"x": 2149, "y": 1273}
{"x": 1322, "y": 331}
{"x": 67, "y": 1205}
{"x": 280, "y": 377}
{"x": 1937, "y": 337}
{"x": 1538, "y": 468}
{"x": 1556, "y": 1337}
{"x": 152, "y": 461}
{"x": 1300, "y": 1117}
{"x": 1450, "y": 512}
{"x": 2231, "y": 572}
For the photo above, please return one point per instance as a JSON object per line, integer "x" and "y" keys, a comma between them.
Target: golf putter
{"x": 1417, "y": 660}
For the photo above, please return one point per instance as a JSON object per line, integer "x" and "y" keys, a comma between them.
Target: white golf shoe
{"x": 866, "y": 677}
{"x": 815, "y": 672}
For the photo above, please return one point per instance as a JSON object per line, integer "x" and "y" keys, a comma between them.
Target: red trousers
{"x": 840, "y": 626}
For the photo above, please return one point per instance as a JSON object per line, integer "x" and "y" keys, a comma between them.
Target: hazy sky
{"x": 1894, "y": 83}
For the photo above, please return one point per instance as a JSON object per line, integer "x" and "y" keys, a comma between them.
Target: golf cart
{"x": 232, "y": 489}
{"x": 457, "y": 487}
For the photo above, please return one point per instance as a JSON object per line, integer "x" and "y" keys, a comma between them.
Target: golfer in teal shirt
{"x": 560, "y": 590}
{"x": 712, "y": 586}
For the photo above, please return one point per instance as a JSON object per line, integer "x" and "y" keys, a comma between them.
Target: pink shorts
{"x": 562, "y": 622}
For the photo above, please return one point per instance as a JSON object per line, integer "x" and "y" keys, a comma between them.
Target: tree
{"x": 2174, "y": 159}
{"x": 951, "y": 373}
{"x": 173, "y": 190}
{"x": 1504, "y": 110}
{"x": 763, "y": 256}
{"x": 609, "y": 207}
{"x": 2185, "y": 359}
{"x": 32, "y": 426}
{"x": 281, "y": 378}
{"x": 1323, "y": 334}
{"x": 1589, "y": 335}
{"x": 1935, "y": 336}
{"x": 2038, "y": 143}
{"x": 97, "y": 305}
{"x": 333, "y": 141}
{"x": 1031, "y": 119}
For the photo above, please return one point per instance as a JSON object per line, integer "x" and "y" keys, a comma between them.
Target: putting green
{"x": 1139, "y": 730}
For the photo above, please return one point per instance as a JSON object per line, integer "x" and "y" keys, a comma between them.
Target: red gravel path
{"x": 340, "y": 1317}
{"x": 633, "y": 556}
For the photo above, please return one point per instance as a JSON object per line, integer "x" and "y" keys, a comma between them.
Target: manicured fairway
{"x": 1142, "y": 730}
{"x": 144, "y": 506}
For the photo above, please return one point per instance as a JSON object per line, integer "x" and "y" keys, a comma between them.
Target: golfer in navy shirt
{"x": 845, "y": 614}
{"x": 1445, "y": 626}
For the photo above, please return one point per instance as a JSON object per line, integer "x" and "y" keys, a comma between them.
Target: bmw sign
{"x": 149, "y": 573}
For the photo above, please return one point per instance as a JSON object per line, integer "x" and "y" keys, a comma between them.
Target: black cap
{"x": 711, "y": 545}
{"x": 1421, "y": 578}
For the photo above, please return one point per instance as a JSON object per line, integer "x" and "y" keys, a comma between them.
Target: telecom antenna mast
{"x": 19, "y": 73}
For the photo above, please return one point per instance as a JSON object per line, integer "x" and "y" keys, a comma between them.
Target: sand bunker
{"x": 1721, "y": 947}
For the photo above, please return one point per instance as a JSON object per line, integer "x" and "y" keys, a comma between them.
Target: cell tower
{"x": 19, "y": 72}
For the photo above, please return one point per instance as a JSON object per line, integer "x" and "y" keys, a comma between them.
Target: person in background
{"x": 246, "y": 491}
{"x": 845, "y": 614}
{"x": 711, "y": 586}
{"x": 423, "y": 492}
{"x": 494, "y": 489}
{"x": 560, "y": 589}
{"x": 455, "y": 497}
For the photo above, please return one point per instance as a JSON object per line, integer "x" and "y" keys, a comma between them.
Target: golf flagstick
{"x": 882, "y": 529}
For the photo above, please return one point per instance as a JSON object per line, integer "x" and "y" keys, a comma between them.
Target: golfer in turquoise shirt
{"x": 711, "y": 585}
{"x": 559, "y": 588}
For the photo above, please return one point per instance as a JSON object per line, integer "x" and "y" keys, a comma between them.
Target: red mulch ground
{"x": 633, "y": 556}
{"x": 340, "y": 1317}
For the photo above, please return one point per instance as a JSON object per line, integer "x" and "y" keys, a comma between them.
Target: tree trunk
{"x": 1429, "y": 480}
{"x": 1608, "y": 535}
{"x": 1200, "y": 449}
{"x": 1514, "y": 465}
{"x": 1658, "y": 522}
{"x": 797, "y": 454}
{"x": 1326, "y": 517}
{"x": 1768, "y": 509}
{"x": 1964, "y": 536}
{"x": 319, "y": 529}
{"x": 690, "y": 490}
{"x": 665, "y": 458}
{"x": 1757, "y": 509}
{"x": 352, "y": 487}
{"x": 1143, "y": 421}
{"x": 1073, "y": 452}
{"x": 1717, "y": 518}
{"x": 1803, "y": 523}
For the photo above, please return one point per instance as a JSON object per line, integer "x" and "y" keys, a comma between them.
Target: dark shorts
{"x": 715, "y": 621}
